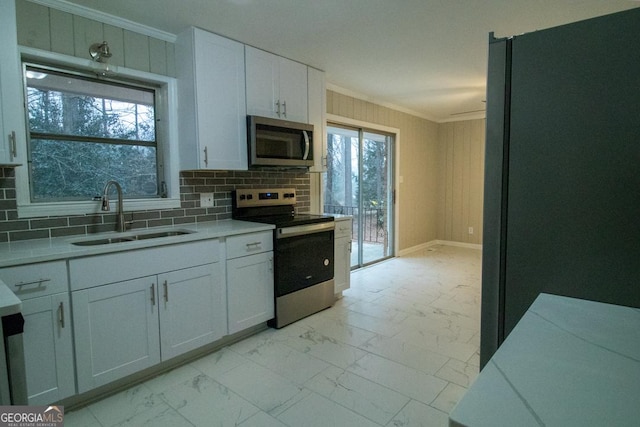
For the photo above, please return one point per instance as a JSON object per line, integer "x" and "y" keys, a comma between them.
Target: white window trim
{"x": 167, "y": 95}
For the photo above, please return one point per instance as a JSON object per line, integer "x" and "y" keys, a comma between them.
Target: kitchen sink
{"x": 130, "y": 238}
{"x": 145, "y": 236}
{"x": 106, "y": 241}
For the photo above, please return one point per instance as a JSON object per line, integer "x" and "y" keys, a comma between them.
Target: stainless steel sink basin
{"x": 107, "y": 241}
{"x": 130, "y": 238}
{"x": 145, "y": 236}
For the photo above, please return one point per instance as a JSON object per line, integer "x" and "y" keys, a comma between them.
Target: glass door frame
{"x": 394, "y": 187}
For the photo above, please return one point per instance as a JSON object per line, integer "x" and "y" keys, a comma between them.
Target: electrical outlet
{"x": 206, "y": 200}
{"x": 470, "y": 230}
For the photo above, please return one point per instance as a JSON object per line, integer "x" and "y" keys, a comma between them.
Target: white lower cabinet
{"x": 134, "y": 309}
{"x": 342, "y": 262}
{"x": 116, "y": 331}
{"x": 124, "y": 327}
{"x": 250, "y": 299}
{"x": 192, "y": 309}
{"x": 47, "y": 338}
{"x": 48, "y": 349}
{"x": 250, "y": 291}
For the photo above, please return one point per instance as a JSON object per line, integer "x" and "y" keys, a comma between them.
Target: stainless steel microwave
{"x": 279, "y": 143}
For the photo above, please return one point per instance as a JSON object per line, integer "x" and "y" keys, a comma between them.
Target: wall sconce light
{"x": 100, "y": 54}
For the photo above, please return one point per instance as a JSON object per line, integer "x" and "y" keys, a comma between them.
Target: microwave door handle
{"x": 307, "y": 145}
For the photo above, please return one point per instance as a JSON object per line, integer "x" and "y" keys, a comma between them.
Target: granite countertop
{"x": 40, "y": 250}
{"x": 568, "y": 362}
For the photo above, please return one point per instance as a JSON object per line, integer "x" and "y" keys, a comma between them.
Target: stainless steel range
{"x": 303, "y": 251}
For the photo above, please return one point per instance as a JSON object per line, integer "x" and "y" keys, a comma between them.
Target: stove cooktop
{"x": 271, "y": 206}
{"x": 290, "y": 221}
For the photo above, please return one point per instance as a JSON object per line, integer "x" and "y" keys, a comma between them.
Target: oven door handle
{"x": 298, "y": 230}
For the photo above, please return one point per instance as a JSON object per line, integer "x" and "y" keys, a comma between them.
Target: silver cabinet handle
{"x": 271, "y": 264}
{"x": 166, "y": 291}
{"x": 61, "y": 315}
{"x": 256, "y": 245}
{"x": 12, "y": 145}
{"x": 278, "y": 107}
{"x": 206, "y": 157}
{"x": 153, "y": 294}
{"x": 38, "y": 282}
{"x": 284, "y": 104}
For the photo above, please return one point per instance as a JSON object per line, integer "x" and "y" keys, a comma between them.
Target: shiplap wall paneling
{"x": 49, "y": 29}
{"x": 461, "y": 177}
{"x": 61, "y": 33}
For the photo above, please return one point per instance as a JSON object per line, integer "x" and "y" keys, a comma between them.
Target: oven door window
{"x": 303, "y": 261}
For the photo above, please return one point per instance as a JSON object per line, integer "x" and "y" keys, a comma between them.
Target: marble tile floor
{"x": 399, "y": 349}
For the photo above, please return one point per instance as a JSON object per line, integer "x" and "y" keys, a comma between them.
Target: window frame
{"x": 166, "y": 136}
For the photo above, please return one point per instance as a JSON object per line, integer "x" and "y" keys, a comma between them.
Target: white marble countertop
{"x": 9, "y": 303}
{"x": 568, "y": 362}
{"x": 39, "y": 250}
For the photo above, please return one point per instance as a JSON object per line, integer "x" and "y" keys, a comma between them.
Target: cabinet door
{"x": 48, "y": 349}
{"x": 192, "y": 309}
{"x": 211, "y": 93}
{"x": 250, "y": 291}
{"x": 317, "y": 101}
{"x": 220, "y": 94}
{"x": 342, "y": 264}
{"x": 262, "y": 81}
{"x": 116, "y": 331}
{"x": 12, "y": 122}
{"x": 293, "y": 91}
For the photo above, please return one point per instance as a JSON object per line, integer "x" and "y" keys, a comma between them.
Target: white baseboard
{"x": 422, "y": 246}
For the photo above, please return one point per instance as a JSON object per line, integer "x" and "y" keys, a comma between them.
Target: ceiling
{"x": 426, "y": 57}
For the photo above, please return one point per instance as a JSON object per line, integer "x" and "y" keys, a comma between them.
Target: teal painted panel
{"x": 115, "y": 37}
{"x": 136, "y": 51}
{"x": 61, "y": 32}
{"x": 85, "y": 33}
{"x": 33, "y": 25}
{"x": 171, "y": 59}
{"x": 157, "y": 56}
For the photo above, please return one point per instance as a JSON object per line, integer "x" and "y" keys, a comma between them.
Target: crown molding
{"x": 357, "y": 95}
{"x": 85, "y": 12}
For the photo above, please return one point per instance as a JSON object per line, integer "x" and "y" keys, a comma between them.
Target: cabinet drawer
{"x": 36, "y": 280}
{"x": 343, "y": 228}
{"x": 116, "y": 267}
{"x": 249, "y": 244}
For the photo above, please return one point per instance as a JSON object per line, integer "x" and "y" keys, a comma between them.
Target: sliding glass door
{"x": 359, "y": 182}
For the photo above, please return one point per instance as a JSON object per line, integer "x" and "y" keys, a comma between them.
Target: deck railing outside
{"x": 374, "y": 230}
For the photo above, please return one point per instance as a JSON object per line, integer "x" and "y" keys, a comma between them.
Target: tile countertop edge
{"x": 61, "y": 248}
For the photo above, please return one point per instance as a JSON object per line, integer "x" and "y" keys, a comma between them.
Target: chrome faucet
{"x": 121, "y": 226}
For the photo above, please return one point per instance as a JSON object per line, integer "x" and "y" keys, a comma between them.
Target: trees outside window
{"x": 84, "y": 132}
{"x": 358, "y": 182}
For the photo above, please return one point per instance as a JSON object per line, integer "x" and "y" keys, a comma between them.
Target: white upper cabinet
{"x": 12, "y": 120}
{"x": 211, "y": 85}
{"x": 317, "y": 117}
{"x": 276, "y": 86}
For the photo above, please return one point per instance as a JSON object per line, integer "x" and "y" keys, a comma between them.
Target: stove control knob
{"x": 249, "y": 196}
{"x": 242, "y": 197}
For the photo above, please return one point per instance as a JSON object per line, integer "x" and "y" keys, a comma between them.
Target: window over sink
{"x": 84, "y": 132}
{"x": 85, "y": 129}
